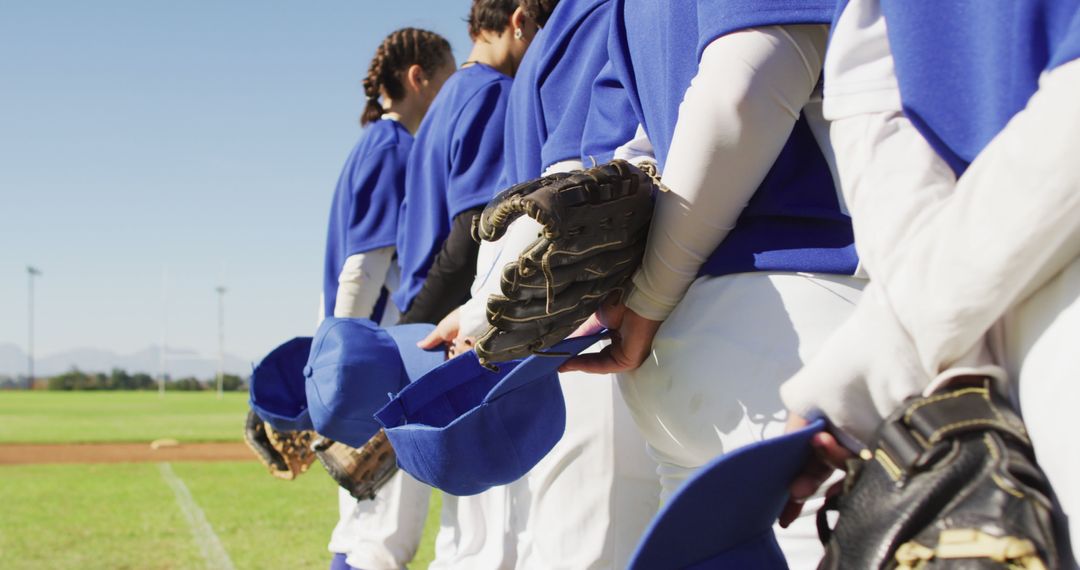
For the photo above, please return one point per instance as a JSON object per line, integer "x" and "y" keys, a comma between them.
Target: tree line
{"x": 122, "y": 380}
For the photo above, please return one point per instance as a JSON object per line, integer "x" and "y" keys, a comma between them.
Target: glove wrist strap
{"x": 905, "y": 443}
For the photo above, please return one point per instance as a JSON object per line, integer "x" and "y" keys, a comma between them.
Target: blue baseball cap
{"x": 723, "y": 517}
{"x": 277, "y": 386}
{"x": 354, "y": 367}
{"x": 464, "y": 429}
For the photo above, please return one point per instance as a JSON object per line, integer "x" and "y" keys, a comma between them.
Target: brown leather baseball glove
{"x": 286, "y": 454}
{"x": 361, "y": 472}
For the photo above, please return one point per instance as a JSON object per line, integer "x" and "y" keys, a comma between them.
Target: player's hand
{"x": 631, "y": 342}
{"x": 608, "y": 316}
{"x": 445, "y": 333}
{"x": 828, "y": 456}
{"x": 461, "y": 345}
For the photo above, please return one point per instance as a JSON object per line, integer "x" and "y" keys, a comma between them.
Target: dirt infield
{"x": 26, "y": 454}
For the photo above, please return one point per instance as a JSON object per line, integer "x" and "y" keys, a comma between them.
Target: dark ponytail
{"x": 539, "y": 10}
{"x": 400, "y": 50}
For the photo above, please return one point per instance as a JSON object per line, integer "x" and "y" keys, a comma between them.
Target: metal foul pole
{"x": 221, "y": 341}
{"x": 31, "y": 272}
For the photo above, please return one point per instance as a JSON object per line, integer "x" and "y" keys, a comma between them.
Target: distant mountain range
{"x": 180, "y": 363}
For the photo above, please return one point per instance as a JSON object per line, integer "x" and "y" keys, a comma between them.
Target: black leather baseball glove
{"x": 951, "y": 482}
{"x": 594, "y": 227}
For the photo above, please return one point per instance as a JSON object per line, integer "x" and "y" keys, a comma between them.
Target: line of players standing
{"x": 935, "y": 138}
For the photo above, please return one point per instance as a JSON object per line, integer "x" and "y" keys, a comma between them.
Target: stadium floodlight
{"x": 31, "y": 272}
{"x": 162, "y": 348}
{"x": 221, "y": 341}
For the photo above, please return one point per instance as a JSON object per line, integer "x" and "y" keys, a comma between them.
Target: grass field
{"x": 83, "y": 417}
{"x": 127, "y": 516}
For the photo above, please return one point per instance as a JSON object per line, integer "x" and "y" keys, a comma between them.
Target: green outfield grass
{"x": 82, "y": 417}
{"x": 426, "y": 552}
{"x": 92, "y": 516}
{"x": 125, "y": 516}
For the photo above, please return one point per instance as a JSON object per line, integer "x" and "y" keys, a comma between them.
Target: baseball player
{"x": 587, "y": 503}
{"x": 407, "y": 71}
{"x": 955, "y": 129}
{"x": 450, "y": 169}
{"x": 452, "y": 172}
{"x": 750, "y": 260}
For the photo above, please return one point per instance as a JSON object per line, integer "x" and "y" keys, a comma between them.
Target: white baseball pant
{"x": 711, "y": 384}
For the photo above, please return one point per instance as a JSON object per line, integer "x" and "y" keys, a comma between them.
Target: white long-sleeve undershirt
{"x": 638, "y": 150}
{"x": 1012, "y": 223}
{"x": 960, "y": 258}
{"x": 736, "y": 117}
{"x": 360, "y": 282}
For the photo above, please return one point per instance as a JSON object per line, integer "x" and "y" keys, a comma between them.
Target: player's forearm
{"x": 637, "y": 150}
{"x": 492, "y": 257}
{"x": 451, "y": 273}
{"x": 734, "y": 120}
{"x": 1012, "y": 223}
{"x": 472, "y": 317}
{"x": 891, "y": 180}
{"x": 361, "y": 281}
{"x": 568, "y": 165}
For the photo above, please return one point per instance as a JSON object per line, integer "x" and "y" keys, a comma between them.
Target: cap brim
{"x": 724, "y": 515}
{"x": 542, "y": 364}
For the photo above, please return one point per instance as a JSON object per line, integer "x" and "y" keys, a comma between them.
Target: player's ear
{"x": 415, "y": 78}
{"x": 518, "y": 19}
{"x": 522, "y": 27}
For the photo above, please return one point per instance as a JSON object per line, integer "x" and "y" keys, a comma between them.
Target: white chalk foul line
{"x": 209, "y": 544}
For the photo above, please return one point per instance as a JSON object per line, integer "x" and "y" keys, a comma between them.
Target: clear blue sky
{"x": 201, "y": 136}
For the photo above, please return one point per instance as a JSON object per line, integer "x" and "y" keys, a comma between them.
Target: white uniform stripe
{"x": 209, "y": 545}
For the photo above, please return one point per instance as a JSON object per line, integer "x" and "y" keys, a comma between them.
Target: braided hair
{"x": 400, "y": 50}
{"x": 539, "y": 10}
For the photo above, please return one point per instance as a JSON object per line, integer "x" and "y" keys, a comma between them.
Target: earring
{"x": 517, "y": 34}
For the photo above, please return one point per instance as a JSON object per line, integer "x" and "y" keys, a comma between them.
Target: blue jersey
{"x": 364, "y": 211}
{"x": 965, "y": 67}
{"x": 549, "y": 100}
{"x": 794, "y": 221}
{"x": 455, "y": 165}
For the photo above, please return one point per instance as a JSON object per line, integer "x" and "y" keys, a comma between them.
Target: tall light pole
{"x": 164, "y": 331}
{"x": 31, "y": 273}
{"x": 221, "y": 341}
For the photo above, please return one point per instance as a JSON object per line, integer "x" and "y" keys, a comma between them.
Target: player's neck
{"x": 405, "y": 112}
{"x": 493, "y": 50}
